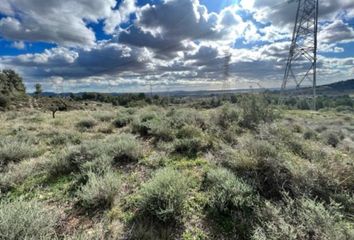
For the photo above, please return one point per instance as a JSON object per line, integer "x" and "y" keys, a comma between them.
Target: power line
{"x": 302, "y": 60}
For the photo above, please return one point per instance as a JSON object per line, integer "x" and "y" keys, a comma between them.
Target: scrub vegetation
{"x": 232, "y": 167}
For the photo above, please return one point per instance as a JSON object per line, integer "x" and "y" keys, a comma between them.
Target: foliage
{"x": 122, "y": 121}
{"x": 255, "y": 110}
{"x": 27, "y": 220}
{"x": 124, "y": 149}
{"x": 38, "y": 89}
{"x": 4, "y": 101}
{"x": 163, "y": 196}
{"x": 11, "y": 83}
{"x": 302, "y": 219}
{"x": 99, "y": 191}
{"x": 227, "y": 192}
{"x": 15, "y": 149}
{"x": 86, "y": 124}
{"x": 190, "y": 168}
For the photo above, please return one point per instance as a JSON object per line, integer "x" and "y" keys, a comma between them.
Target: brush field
{"x": 245, "y": 170}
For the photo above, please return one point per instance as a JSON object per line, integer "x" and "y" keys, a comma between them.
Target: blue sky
{"x": 123, "y": 46}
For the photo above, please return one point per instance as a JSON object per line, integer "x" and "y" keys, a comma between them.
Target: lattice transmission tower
{"x": 226, "y": 71}
{"x": 302, "y": 61}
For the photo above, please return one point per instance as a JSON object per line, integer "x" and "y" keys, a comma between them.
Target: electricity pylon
{"x": 226, "y": 82}
{"x": 302, "y": 60}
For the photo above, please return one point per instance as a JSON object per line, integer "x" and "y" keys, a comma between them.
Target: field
{"x": 241, "y": 170}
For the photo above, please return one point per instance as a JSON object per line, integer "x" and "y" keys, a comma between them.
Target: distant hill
{"x": 341, "y": 86}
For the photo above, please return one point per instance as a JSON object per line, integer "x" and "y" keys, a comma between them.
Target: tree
{"x": 38, "y": 88}
{"x": 11, "y": 83}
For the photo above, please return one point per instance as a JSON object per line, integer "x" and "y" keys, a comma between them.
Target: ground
{"x": 177, "y": 172}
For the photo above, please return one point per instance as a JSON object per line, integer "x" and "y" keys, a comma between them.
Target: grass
{"x": 195, "y": 169}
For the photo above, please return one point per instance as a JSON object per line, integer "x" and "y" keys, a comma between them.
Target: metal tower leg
{"x": 302, "y": 59}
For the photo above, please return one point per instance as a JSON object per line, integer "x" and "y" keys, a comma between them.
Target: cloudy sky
{"x": 126, "y": 45}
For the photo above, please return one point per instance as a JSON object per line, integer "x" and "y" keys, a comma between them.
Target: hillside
{"x": 341, "y": 86}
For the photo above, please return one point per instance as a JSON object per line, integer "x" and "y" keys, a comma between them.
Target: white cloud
{"x": 61, "y": 22}
{"x": 173, "y": 42}
{"x": 19, "y": 45}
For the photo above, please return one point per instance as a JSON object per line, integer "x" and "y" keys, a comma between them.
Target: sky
{"x": 130, "y": 45}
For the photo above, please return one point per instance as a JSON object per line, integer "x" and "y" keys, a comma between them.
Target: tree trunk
{"x": 54, "y": 111}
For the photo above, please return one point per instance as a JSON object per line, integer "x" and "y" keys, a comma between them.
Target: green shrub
{"x": 302, "y": 219}
{"x": 161, "y": 130}
{"x": 27, "y": 220}
{"x": 255, "y": 110}
{"x": 124, "y": 149}
{"x": 4, "y": 101}
{"x": 119, "y": 149}
{"x": 297, "y": 128}
{"x": 310, "y": 135}
{"x": 141, "y": 124}
{"x": 191, "y": 141}
{"x": 99, "y": 231}
{"x": 266, "y": 168}
{"x": 14, "y": 149}
{"x": 72, "y": 158}
{"x": 191, "y": 147}
{"x": 333, "y": 138}
{"x": 227, "y": 116}
{"x": 64, "y": 139}
{"x": 178, "y": 118}
{"x": 122, "y": 121}
{"x": 150, "y": 124}
{"x": 226, "y": 192}
{"x": 98, "y": 165}
{"x": 17, "y": 173}
{"x": 86, "y": 124}
{"x": 163, "y": 196}
{"x": 104, "y": 116}
{"x": 99, "y": 191}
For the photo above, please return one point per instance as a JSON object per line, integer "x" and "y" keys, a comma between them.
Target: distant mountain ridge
{"x": 343, "y": 85}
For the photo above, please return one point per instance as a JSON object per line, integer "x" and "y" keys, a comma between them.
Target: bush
{"x": 163, "y": 196}
{"x": 191, "y": 147}
{"x": 161, "y": 130}
{"x": 64, "y": 139}
{"x": 310, "y": 135}
{"x": 302, "y": 219}
{"x": 227, "y": 116}
{"x": 104, "y": 116}
{"x": 86, "y": 124}
{"x": 124, "y": 149}
{"x": 122, "y": 121}
{"x": 191, "y": 141}
{"x": 255, "y": 110}
{"x": 178, "y": 118}
{"x": 333, "y": 139}
{"x": 226, "y": 192}
{"x": 17, "y": 173}
{"x": 119, "y": 150}
{"x": 99, "y": 191}
{"x": 4, "y": 101}
{"x": 27, "y": 220}
{"x": 12, "y": 149}
{"x": 71, "y": 159}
